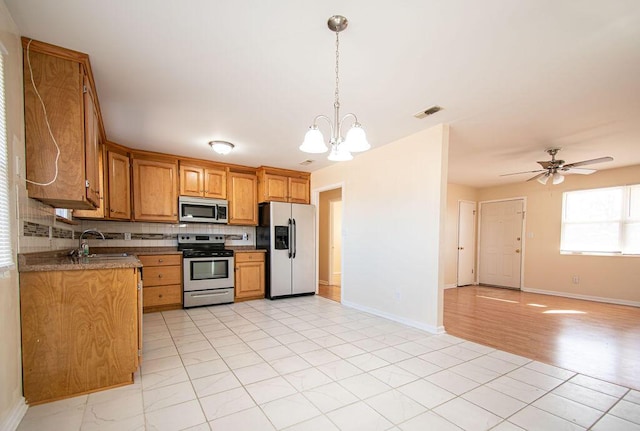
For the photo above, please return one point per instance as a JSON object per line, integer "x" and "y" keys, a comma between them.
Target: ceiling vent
{"x": 306, "y": 162}
{"x": 429, "y": 111}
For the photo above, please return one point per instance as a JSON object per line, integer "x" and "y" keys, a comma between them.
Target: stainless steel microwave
{"x": 203, "y": 210}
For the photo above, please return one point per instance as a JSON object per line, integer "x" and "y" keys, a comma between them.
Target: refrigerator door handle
{"x": 295, "y": 238}
{"x": 290, "y": 239}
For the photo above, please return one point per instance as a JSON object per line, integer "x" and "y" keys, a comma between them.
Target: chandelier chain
{"x": 336, "y": 103}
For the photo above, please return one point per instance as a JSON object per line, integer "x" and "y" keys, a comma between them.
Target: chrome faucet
{"x": 84, "y": 247}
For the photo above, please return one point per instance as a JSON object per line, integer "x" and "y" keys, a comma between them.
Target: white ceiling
{"x": 514, "y": 77}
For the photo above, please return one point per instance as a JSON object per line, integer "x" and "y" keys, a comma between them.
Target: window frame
{"x": 7, "y": 258}
{"x": 623, "y": 220}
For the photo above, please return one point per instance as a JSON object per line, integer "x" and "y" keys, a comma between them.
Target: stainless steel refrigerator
{"x": 287, "y": 232}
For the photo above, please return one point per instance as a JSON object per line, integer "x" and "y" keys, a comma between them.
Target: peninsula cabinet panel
{"x": 63, "y": 82}
{"x": 242, "y": 195}
{"x": 155, "y": 192}
{"x": 80, "y": 331}
{"x": 119, "y": 186}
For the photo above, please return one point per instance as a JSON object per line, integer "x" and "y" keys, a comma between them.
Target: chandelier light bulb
{"x": 339, "y": 154}
{"x": 313, "y": 141}
{"x": 356, "y": 140}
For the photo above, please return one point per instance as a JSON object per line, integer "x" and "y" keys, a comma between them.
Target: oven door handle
{"x": 295, "y": 239}
{"x": 203, "y": 295}
{"x": 290, "y": 239}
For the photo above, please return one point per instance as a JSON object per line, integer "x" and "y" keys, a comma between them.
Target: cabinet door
{"x": 91, "y": 141}
{"x": 191, "y": 181}
{"x": 299, "y": 190}
{"x": 59, "y": 83}
{"x": 276, "y": 188}
{"x": 242, "y": 194}
{"x": 215, "y": 183}
{"x": 98, "y": 213}
{"x": 119, "y": 186}
{"x": 155, "y": 190}
{"x": 249, "y": 280}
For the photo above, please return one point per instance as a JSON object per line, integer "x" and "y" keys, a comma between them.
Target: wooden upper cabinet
{"x": 241, "y": 192}
{"x": 215, "y": 183}
{"x": 282, "y": 185}
{"x": 200, "y": 181}
{"x": 119, "y": 196}
{"x": 98, "y": 213}
{"x": 155, "y": 189}
{"x": 64, "y": 81}
{"x": 299, "y": 190}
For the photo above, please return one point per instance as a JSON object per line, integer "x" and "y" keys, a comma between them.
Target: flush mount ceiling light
{"x": 221, "y": 147}
{"x": 356, "y": 139}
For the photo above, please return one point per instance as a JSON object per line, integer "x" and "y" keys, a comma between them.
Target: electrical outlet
{"x": 245, "y": 236}
{"x": 127, "y": 236}
{"x": 575, "y": 279}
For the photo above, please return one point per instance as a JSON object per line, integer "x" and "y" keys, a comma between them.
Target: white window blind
{"x": 603, "y": 220}
{"x": 6, "y": 258}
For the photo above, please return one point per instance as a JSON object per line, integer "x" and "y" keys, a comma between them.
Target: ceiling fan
{"x": 557, "y": 169}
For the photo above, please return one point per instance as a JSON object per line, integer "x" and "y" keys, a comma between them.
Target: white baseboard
{"x": 419, "y": 325}
{"x": 323, "y": 282}
{"x": 450, "y": 286}
{"x": 584, "y": 297}
{"x": 17, "y": 412}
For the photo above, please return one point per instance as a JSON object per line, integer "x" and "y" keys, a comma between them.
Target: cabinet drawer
{"x": 162, "y": 295}
{"x": 249, "y": 257}
{"x": 160, "y": 259}
{"x": 161, "y": 275}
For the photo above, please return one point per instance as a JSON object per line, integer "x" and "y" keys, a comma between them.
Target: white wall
{"x": 12, "y": 405}
{"x": 394, "y": 202}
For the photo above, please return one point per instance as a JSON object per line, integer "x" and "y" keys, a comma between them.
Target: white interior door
{"x": 466, "y": 242}
{"x": 335, "y": 245}
{"x": 500, "y": 251}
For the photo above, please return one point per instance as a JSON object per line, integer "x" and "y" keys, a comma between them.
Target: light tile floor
{"x": 309, "y": 363}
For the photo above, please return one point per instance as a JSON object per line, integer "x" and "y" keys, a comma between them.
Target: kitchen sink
{"x": 108, "y": 255}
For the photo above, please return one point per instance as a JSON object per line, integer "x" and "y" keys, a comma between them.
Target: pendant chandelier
{"x": 356, "y": 139}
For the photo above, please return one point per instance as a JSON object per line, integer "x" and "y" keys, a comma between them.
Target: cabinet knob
{"x": 159, "y": 275}
{"x": 160, "y": 295}
{"x": 160, "y": 260}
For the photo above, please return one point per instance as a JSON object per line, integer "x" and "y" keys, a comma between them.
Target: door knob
{"x": 517, "y": 250}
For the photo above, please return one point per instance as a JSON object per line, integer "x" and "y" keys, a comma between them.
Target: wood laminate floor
{"x": 598, "y": 339}
{"x": 329, "y": 292}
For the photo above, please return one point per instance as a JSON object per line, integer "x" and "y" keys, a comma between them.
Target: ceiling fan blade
{"x": 546, "y": 164}
{"x": 589, "y": 162}
{"x": 538, "y": 176}
{"x": 525, "y": 172}
{"x": 581, "y": 171}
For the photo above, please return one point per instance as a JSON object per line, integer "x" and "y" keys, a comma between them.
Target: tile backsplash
{"x": 41, "y": 231}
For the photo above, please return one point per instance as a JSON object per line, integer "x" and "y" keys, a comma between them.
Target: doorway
{"x": 466, "y": 243}
{"x": 330, "y": 244}
{"x": 500, "y": 243}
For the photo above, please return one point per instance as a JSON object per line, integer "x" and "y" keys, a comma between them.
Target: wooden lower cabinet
{"x": 162, "y": 280}
{"x": 80, "y": 331}
{"x": 249, "y": 275}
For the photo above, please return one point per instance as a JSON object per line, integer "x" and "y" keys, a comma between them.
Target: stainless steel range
{"x": 208, "y": 270}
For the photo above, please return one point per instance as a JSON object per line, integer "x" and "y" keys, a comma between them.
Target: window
{"x": 601, "y": 221}
{"x": 6, "y": 258}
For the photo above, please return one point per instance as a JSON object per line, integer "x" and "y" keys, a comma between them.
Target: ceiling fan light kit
{"x": 356, "y": 138}
{"x": 557, "y": 169}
